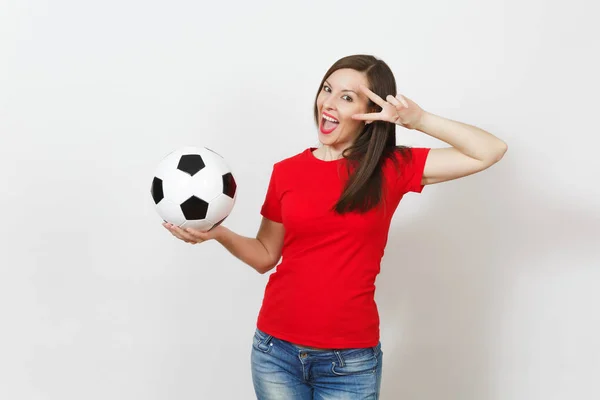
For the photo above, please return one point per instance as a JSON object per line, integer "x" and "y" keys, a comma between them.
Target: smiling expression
{"x": 340, "y": 98}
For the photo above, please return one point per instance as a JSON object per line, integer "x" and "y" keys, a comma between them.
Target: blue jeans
{"x": 284, "y": 371}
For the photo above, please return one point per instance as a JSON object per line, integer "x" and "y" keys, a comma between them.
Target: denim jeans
{"x": 284, "y": 371}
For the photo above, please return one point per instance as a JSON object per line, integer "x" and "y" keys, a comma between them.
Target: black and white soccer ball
{"x": 193, "y": 187}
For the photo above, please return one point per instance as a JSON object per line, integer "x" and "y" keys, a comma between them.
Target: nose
{"x": 328, "y": 103}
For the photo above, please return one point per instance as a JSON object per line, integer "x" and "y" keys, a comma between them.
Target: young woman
{"x": 327, "y": 212}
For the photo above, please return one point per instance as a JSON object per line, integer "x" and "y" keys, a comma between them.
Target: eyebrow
{"x": 345, "y": 90}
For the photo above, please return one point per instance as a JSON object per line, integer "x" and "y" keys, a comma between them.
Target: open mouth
{"x": 328, "y": 124}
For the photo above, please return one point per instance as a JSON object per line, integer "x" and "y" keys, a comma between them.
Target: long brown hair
{"x": 375, "y": 143}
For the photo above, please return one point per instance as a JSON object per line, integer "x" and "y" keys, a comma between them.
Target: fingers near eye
{"x": 366, "y": 117}
{"x": 374, "y": 97}
{"x": 392, "y": 100}
{"x": 402, "y": 100}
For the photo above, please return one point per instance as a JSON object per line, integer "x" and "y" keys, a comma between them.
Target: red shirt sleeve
{"x": 413, "y": 174}
{"x": 271, "y": 208}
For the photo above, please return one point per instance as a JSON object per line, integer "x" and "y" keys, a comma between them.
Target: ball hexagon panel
{"x": 170, "y": 212}
{"x": 219, "y": 208}
{"x": 171, "y": 160}
{"x": 199, "y": 224}
{"x": 177, "y": 185}
{"x": 215, "y": 160}
{"x": 205, "y": 184}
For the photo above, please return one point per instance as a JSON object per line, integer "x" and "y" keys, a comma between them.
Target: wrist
{"x": 421, "y": 124}
{"x": 219, "y": 233}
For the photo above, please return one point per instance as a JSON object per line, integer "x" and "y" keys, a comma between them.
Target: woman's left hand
{"x": 398, "y": 110}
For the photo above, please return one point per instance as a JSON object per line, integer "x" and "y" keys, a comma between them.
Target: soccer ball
{"x": 193, "y": 187}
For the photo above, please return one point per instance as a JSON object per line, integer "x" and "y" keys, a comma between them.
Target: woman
{"x": 327, "y": 211}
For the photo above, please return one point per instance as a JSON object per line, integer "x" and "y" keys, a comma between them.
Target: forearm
{"x": 469, "y": 140}
{"x": 249, "y": 250}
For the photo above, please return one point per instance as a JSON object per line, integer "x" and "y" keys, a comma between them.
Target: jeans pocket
{"x": 353, "y": 362}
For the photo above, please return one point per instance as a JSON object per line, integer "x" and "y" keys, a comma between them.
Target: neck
{"x": 329, "y": 153}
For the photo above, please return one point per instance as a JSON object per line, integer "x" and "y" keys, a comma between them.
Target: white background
{"x": 489, "y": 288}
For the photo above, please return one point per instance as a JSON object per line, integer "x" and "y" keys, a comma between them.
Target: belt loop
{"x": 268, "y": 339}
{"x": 339, "y": 357}
{"x": 264, "y": 344}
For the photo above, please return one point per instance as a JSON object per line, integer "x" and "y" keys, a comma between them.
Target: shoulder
{"x": 405, "y": 162}
{"x": 410, "y": 157}
{"x": 406, "y": 157}
{"x": 293, "y": 162}
{"x": 406, "y": 154}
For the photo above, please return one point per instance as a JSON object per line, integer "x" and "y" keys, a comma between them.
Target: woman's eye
{"x": 347, "y": 98}
{"x": 326, "y": 88}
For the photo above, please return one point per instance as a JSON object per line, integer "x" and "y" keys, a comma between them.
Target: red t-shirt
{"x": 322, "y": 294}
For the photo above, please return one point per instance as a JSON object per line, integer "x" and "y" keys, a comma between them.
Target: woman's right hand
{"x": 192, "y": 236}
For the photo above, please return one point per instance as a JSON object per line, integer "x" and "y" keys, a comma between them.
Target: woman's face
{"x": 340, "y": 98}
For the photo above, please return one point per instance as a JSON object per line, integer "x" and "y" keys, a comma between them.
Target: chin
{"x": 326, "y": 139}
